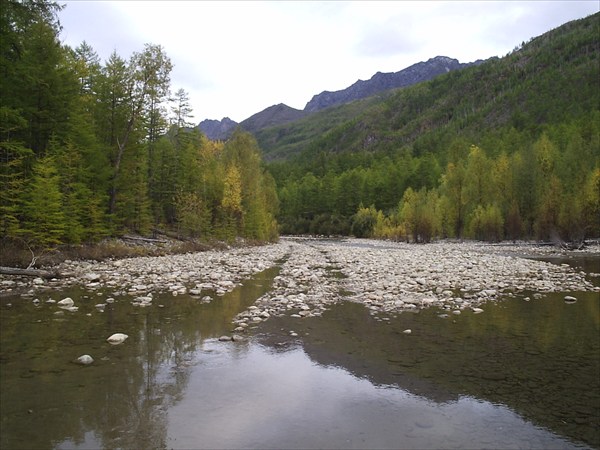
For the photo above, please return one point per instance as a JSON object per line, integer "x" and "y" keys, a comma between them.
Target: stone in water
{"x": 117, "y": 338}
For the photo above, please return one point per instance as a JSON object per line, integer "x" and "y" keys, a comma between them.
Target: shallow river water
{"x": 522, "y": 374}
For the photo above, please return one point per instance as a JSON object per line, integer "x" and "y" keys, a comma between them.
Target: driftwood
{"x": 143, "y": 239}
{"x": 30, "y": 272}
{"x": 172, "y": 235}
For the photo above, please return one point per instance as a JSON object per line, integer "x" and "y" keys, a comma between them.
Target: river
{"x": 525, "y": 373}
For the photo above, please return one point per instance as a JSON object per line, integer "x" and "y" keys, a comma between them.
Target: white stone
{"x": 68, "y": 301}
{"x": 85, "y": 360}
{"x": 117, "y": 338}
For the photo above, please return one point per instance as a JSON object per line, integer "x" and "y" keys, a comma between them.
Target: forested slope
{"x": 506, "y": 149}
{"x": 90, "y": 149}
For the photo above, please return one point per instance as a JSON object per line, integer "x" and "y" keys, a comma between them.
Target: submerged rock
{"x": 84, "y": 360}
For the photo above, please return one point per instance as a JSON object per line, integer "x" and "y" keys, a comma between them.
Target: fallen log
{"x": 143, "y": 239}
{"x": 30, "y": 272}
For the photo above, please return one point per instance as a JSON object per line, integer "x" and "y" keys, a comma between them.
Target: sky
{"x": 235, "y": 59}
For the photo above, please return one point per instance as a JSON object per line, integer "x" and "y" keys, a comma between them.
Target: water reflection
{"x": 520, "y": 375}
{"x": 288, "y": 401}
{"x": 540, "y": 358}
{"x": 124, "y": 397}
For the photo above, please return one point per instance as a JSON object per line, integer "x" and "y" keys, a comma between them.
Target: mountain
{"x": 551, "y": 77}
{"x": 380, "y": 82}
{"x": 220, "y": 130}
{"x": 271, "y": 116}
{"x": 506, "y": 148}
{"x": 217, "y": 130}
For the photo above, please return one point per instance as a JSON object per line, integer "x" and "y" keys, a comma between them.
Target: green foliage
{"x": 45, "y": 222}
{"x": 87, "y": 149}
{"x": 364, "y": 221}
{"x": 193, "y": 215}
{"x": 505, "y": 149}
{"x": 487, "y": 223}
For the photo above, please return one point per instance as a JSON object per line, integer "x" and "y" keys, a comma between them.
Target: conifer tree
{"x": 44, "y": 219}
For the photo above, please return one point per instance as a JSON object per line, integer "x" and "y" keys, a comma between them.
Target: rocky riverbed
{"x": 391, "y": 277}
{"x": 386, "y": 277}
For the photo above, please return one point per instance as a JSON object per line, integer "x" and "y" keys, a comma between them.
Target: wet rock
{"x": 225, "y": 338}
{"x": 70, "y": 308}
{"x": 117, "y": 338}
{"x": 407, "y": 331}
{"x": 68, "y": 301}
{"x": 570, "y": 299}
{"x": 84, "y": 360}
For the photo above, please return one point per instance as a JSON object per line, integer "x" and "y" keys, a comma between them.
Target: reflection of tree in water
{"x": 168, "y": 344}
{"x": 122, "y": 400}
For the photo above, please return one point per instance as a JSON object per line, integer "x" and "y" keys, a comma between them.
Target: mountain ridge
{"x": 416, "y": 73}
{"x": 217, "y": 130}
{"x": 380, "y": 82}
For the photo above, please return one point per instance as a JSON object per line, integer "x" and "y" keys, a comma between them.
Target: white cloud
{"x": 237, "y": 58}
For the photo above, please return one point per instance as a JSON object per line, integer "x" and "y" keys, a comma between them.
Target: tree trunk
{"x": 30, "y": 272}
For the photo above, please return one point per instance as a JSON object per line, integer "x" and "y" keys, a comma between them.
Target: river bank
{"x": 386, "y": 277}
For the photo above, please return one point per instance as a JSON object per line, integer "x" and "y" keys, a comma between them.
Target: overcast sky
{"x": 237, "y": 58}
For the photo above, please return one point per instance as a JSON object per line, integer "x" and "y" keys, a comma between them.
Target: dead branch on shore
{"x": 30, "y": 272}
{"x": 143, "y": 239}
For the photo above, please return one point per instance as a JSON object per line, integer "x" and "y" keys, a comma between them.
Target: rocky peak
{"x": 217, "y": 130}
{"x": 380, "y": 82}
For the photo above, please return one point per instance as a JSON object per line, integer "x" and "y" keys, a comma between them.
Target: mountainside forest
{"x": 508, "y": 149}
{"x": 91, "y": 149}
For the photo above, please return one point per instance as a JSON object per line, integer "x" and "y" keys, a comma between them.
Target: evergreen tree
{"x": 44, "y": 219}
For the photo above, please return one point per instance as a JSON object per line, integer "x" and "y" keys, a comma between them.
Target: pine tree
{"x": 45, "y": 222}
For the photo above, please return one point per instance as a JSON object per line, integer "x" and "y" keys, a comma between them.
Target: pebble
{"x": 66, "y": 302}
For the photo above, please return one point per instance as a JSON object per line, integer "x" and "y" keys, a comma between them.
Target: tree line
{"x": 514, "y": 186}
{"x": 508, "y": 149}
{"x": 90, "y": 149}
